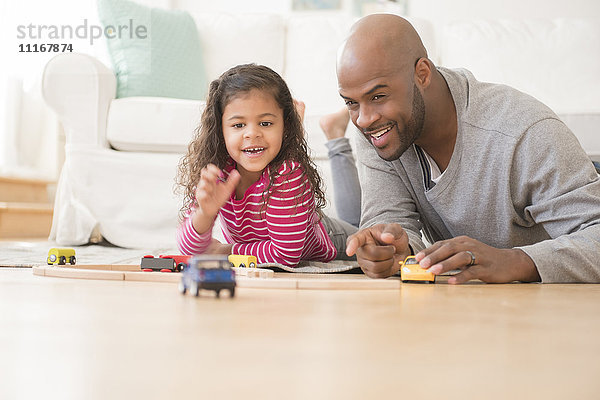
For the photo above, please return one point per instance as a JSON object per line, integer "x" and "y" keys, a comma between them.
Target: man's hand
{"x": 378, "y": 249}
{"x": 487, "y": 263}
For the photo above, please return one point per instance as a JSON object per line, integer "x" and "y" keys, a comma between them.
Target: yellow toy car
{"x": 411, "y": 271}
{"x": 61, "y": 256}
{"x": 242, "y": 261}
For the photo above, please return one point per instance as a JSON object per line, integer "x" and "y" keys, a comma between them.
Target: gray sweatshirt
{"x": 518, "y": 177}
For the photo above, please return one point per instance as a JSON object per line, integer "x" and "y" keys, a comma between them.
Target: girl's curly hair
{"x": 208, "y": 144}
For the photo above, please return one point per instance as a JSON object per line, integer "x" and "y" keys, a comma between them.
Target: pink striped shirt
{"x": 285, "y": 231}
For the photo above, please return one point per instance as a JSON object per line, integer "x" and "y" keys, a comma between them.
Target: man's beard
{"x": 413, "y": 128}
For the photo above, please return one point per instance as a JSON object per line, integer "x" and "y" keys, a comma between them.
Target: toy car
{"x": 151, "y": 263}
{"x": 209, "y": 272}
{"x": 61, "y": 256}
{"x": 242, "y": 261}
{"x": 181, "y": 261}
{"x": 411, "y": 271}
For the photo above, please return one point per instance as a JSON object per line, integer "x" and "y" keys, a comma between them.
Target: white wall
{"x": 440, "y": 11}
{"x": 28, "y": 130}
{"x": 234, "y": 6}
{"x": 251, "y": 6}
{"x": 25, "y": 69}
{"x": 436, "y": 10}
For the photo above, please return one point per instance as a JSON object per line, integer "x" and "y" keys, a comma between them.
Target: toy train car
{"x": 242, "y": 261}
{"x": 61, "y": 256}
{"x": 181, "y": 261}
{"x": 150, "y": 263}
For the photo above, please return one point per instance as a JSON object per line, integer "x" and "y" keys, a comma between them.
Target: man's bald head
{"x": 382, "y": 38}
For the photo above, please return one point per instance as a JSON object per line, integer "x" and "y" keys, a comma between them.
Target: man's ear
{"x": 423, "y": 72}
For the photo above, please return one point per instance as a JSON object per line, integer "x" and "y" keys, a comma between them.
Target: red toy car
{"x": 181, "y": 261}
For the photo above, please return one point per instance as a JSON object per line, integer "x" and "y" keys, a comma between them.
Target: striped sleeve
{"x": 191, "y": 242}
{"x": 288, "y": 214}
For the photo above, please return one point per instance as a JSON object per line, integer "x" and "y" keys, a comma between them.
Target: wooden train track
{"x": 245, "y": 277}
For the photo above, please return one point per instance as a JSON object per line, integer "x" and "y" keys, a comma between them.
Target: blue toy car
{"x": 209, "y": 272}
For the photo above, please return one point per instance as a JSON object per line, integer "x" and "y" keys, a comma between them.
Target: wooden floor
{"x": 84, "y": 339}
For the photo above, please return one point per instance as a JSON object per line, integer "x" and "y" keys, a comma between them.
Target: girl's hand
{"x": 211, "y": 194}
{"x": 216, "y": 247}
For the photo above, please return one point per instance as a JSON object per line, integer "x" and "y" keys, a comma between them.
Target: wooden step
{"x": 25, "y": 220}
{"x": 24, "y": 190}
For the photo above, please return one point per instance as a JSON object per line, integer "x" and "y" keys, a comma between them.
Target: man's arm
{"x": 553, "y": 171}
{"x": 390, "y": 226}
{"x": 554, "y": 186}
{"x": 385, "y": 196}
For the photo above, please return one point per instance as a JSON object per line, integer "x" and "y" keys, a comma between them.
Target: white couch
{"x": 122, "y": 154}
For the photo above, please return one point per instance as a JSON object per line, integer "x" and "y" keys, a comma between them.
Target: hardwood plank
{"x": 169, "y": 277}
{"x": 73, "y": 273}
{"x": 41, "y": 271}
{"x": 348, "y": 284}
{"x": 267, "y": 283}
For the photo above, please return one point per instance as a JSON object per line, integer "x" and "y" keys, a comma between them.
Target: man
{"x": 490, "y": 175}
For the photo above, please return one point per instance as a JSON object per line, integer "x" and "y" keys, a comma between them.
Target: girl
{"x": 248, "y": 165}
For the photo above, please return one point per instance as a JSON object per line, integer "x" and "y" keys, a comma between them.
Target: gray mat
{"x": 28, "y": 254}
{"x": 315, "y": 267}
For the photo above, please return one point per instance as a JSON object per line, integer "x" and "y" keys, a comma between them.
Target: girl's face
{"x": 253, "y": 131}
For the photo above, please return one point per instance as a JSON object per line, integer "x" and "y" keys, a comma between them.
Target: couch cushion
{"x": 163, "y": 59}
{"x": 231, "y": 39}
{"x": 310, "y": 57}
{"x": 152, "y": 124}
{"x": 534, "y": 56}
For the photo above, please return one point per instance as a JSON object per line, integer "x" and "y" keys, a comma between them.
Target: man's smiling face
{"x": 384, "y": 103}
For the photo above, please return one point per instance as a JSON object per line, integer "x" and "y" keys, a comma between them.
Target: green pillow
{"x": 155, "y": 52}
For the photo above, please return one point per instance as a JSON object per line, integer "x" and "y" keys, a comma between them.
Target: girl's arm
{"x": 289, "y": 213}
{"x": 189, "y": 241}
{"x": 195, "y": 233}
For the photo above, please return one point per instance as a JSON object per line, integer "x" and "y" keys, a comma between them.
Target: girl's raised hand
{"x": 211, "y": 194}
